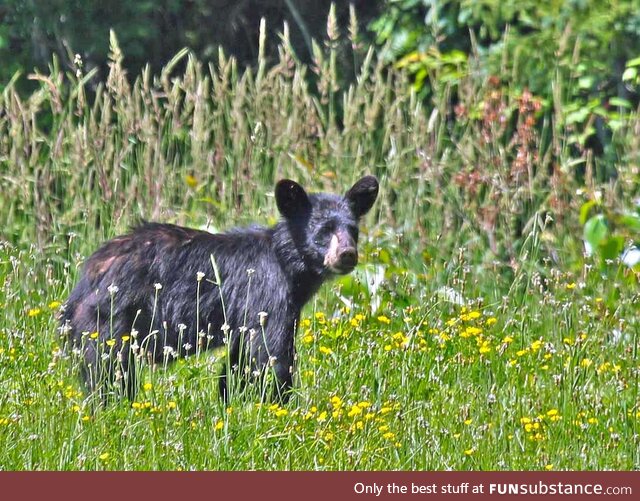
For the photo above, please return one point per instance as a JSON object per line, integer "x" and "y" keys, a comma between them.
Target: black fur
{"x": 272, "y": 270}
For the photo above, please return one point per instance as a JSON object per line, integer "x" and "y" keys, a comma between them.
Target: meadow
{"x": 475, "y": 334}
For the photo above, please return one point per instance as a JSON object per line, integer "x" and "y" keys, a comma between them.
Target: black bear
{"x": 164, "y": 291}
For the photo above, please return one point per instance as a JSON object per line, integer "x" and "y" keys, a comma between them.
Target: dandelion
{"x": 469, "y": 452}
{"x": 219, "y": 425}
{"x": 548, "y": 467}
{"x": 54, "y": 305}
{"x": 384, "y": 320}
{"x": 34, "y": 312}
{"x": 325, "y": 351}
{"x": 104, "y": 456}
{"x": 355, "y": 411}
{"x": 586, "y": 362}
{"x": 147, "y": 386}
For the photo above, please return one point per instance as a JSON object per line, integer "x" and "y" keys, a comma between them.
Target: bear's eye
{"x": 324, "y": 233}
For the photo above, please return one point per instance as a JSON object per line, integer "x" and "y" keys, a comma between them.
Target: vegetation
{"x": 476, "y": 334}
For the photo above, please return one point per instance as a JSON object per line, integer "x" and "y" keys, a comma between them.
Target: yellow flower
{"x": 552, "y": 412}
{"x": 325, "y": 351}
{"x": 93, "y": 335}
{"x": 389, "y": 435}
{"x": 104, "y": 456}
{"x": 490, "y": 321}
{"x": 468, "y": 452}
{"x": 571, "y": 286}
{"x": 322, "y": 417}
{"x": 34, "y": 312}
{"x": 468, "y": 421}
{"x": 384, "y": 320}
{"x": 219, "y": 425}
{"x": 191, "y": 181}
{"x": 355, "y": 411}
{"x": 586, "y": 362}
{"x": 54, "y": 305}
{"x": 111, "y": 342}
{"x": 307, "y": 338}
{"x": 125, "y": 338}
{"x": 147, "y": 386}
{"x": 548, "y": 467}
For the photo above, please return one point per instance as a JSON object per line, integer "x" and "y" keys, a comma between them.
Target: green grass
{"x": 538, "y": 369}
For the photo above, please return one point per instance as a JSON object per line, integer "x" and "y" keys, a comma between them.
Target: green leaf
{"x": 629, "y": 74}
{"x": 585, "y": 210}
{"x": 633, "y": 62}
{"x": 596, "y": 230}
{"x": 611, "y": 247}
{"x": 631, "y": 220}
{"x": 618, "y": 101}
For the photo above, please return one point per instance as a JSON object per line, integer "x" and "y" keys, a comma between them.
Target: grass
{"x": 475, "y": 335}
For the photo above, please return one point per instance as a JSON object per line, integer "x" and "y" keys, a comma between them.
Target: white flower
{"x": 158, "y": 286}
{"x": 199, "y": 276}
{"x": 112, "y": 289}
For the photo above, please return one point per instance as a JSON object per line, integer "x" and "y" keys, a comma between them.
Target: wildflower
{"x": 34, "y": 312}
{"x": 468, "y": 452}
{"x": 113, "y": 289}
{"x": 490, "y": 321}
{"x": 336, "y": 402}
{"x": 263, "y": 318}
{"x": 548, "y": 467}
{"x": 157, "y": 286}
{"x": 54, "y": 305}
{"x": 322, "y": 417}
{"x": 125, "y": 338}
{"x": 586, "y": 362}
{"x": 219, "y": 425}
{"x": 199, "y": 276}
{"x": 384, "y": 320}
{"x": 148, "y": 386}
{"x": 191, "y": 181}
{"x": 355, "y": 411}
{"x": 104, "y": 456}
{"x": 93, "y": 335}
{"x": 110, "y": 342}
{"x": 325, "y": 351}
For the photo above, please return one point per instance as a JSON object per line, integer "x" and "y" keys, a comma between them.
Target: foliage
{"x": 151, "y": 32}
{"x": 532, "y": 45}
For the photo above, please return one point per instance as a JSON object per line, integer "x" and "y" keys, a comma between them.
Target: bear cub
{"x": 164, "y": 291}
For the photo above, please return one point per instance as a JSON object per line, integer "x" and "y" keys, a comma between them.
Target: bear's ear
{"x": 362, "y": 195}
{"x": 291, "y": 199}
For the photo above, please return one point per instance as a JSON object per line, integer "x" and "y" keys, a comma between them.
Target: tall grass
{"x": 475, "y": 334}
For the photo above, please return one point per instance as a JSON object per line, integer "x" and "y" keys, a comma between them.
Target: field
{"x": 476, "y": 333}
